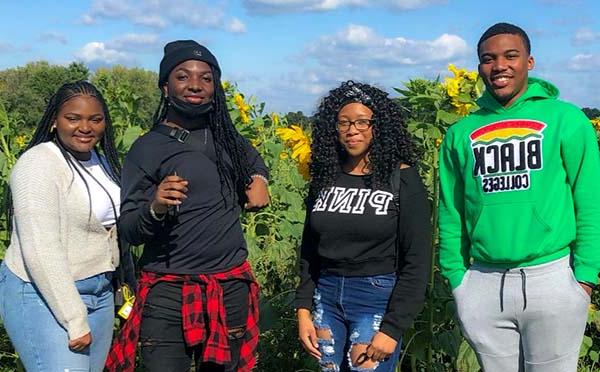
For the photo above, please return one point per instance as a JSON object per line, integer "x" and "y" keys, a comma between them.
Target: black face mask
{"x": 190, "y": 110}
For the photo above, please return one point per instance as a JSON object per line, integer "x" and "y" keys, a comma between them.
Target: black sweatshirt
{"x": 206, "y": 235}
{"x": 354, "y": 231}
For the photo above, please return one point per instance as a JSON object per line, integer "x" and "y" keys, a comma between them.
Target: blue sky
{"x": 289, "y": 53}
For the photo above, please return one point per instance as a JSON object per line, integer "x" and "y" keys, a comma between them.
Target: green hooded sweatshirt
{"x": 520, "y": 186}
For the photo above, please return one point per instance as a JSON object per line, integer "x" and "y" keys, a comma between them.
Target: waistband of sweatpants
{"x": 552, "y": 266}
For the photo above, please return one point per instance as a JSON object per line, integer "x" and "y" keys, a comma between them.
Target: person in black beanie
{"x": 184, "y": 185}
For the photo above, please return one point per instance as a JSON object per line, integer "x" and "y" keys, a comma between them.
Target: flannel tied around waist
{"x": 213, "y": 335}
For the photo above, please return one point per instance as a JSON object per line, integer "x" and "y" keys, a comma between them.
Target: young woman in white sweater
{"x": 56, "y": 297}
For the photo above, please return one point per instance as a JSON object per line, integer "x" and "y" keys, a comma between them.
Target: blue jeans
{"x": 40, "y": 341}
{"x": 352, "y": 309}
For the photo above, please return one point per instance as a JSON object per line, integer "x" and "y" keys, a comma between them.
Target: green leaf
{"x": 447, "y": 117}
{"x": 269, "y": 316}
{"x": 274, "y": 148}
{"x": 131, "y": 134}
{"x": 585, "y": 345}
{"x": 433, "y": 132}
{"x": 261, "y": 229}
{"x": 467, "y": 359}
{"x": 448, "y": 341}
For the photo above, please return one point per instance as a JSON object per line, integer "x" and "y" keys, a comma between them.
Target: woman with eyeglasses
{"x": 366, "y": 247}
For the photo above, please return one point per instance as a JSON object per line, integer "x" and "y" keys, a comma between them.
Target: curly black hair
{"x": 391, "y": 145}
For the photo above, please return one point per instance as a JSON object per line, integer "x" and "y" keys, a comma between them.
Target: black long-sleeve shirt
{"x": 354, "y": 231}
{"x": 206, "y": 235}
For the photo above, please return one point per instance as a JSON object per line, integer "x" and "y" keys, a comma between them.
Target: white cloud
{"x": 150, "y": 20}
{"x": 585, "y": 36}
{"x": 360, "y": 45}
{"x": 236, "y": 26}
{"x": 585, "y": 62}
{"x": 359, "y": 53}
{"x": 163, "y": 13}
{"x": 414, "y": 4}
{"x": 52, "y": 36}
{"x": 111, "y": 8}
{"x": 129, "y": 42}
{"x": 120, "y": 50}
{"x": 282, "y": 6}
{"x": 99, "y": 53}
{"x": 87, "y": 19}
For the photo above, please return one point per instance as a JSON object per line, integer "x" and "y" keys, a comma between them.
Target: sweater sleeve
{"x": 136, "y": 224}
{"x": 454, "y": 240}
{"x": 36, "y": 196}
{"x": 582, "y": 165}
{"x": 414, "y": 256}
{"x": 309, "y": 267}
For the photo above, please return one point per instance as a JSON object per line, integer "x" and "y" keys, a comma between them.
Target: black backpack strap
{"x": 179, "y": 134}
{"x": 184, "y": 136}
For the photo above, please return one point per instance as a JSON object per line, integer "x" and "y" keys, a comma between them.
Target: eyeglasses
{"x": 360, "y": 124}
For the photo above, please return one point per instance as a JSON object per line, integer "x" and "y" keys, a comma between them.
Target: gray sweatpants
{"x": 528, "y": 319}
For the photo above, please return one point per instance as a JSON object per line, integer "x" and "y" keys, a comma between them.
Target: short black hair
{"x": 505, "y": 28}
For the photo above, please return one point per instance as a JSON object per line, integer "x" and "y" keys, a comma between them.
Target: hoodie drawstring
{"x": 502, "y": 290}
{"x": 523, "y": 288}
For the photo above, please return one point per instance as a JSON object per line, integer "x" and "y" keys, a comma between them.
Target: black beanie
{"x": 183, "y": 50}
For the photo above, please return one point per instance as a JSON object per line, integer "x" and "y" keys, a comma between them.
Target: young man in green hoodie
{"x": 520, "y": 215}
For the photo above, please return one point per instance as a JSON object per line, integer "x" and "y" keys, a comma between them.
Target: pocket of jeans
{"x": 386, "y": 281}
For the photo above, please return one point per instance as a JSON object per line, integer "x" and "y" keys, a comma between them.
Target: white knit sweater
{"x": 56, "y": 239}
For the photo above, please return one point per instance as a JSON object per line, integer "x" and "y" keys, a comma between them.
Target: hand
{"x": 171, "y": 191}
{"x": 381, "y": 347}
{"x": 307, "y": 333}
{"x": 79, "y": 344}
{"x": 257, "y": 193}
{"x": 587, "y": 288}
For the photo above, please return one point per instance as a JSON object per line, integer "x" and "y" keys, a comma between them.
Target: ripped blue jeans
{"x": 351, "y": 310}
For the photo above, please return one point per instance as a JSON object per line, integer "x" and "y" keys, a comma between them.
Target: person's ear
{"x": 165, "y": 89}
{"x": 530, "y": 63}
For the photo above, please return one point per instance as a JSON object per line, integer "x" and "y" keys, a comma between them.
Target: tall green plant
{"x": 435, "y": 342}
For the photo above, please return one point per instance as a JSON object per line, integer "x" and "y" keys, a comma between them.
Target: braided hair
{"x": 45, "y": 133}
{"x": 227, "y": 139}
{"x": 391, "y": 144}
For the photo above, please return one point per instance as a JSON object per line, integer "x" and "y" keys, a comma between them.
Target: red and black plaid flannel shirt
{"x": 213, "y": 336}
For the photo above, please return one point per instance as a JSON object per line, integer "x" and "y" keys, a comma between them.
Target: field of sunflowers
{"x": 273, "y": 234}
